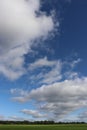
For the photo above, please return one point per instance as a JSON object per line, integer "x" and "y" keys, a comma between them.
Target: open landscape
{"x": 45, "y": 127}
{"x": 43, "y": 64}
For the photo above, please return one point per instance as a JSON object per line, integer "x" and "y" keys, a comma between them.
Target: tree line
{"x": 25, "y": 122}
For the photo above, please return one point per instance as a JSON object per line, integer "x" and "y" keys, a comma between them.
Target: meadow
{"x": 44, "y": 127}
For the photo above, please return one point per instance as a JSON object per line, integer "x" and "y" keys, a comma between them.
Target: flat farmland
{"x": 44, "y": 127}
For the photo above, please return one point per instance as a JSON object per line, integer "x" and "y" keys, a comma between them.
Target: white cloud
{"x": 54, "y": 74}
{"x": 19, "y": 27}
{"x": 56, "y": 98}
{"x": 46, "y": 75}
{"x": 17, "y": 91}
{"x": 60, "y": 98}
{"x": 33, "y": 113}
{"x": 52, "y": 71}
{"x": 41, "y": 63}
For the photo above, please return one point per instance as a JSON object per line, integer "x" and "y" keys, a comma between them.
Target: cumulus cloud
{"x": 60, "y": 98}
{"x": 33, "y": 113}
{"x": 21, "y": 22}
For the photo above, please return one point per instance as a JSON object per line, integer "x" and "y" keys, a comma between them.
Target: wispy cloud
{"x": 17, "y": 91}
{"x": 43, "y": 62}
{"x": 51, "y": 71}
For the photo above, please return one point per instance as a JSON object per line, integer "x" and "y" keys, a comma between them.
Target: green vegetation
{"x": 45, "y": 127}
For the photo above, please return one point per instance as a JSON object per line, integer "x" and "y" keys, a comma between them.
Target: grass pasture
{"x": 44, "y": 127}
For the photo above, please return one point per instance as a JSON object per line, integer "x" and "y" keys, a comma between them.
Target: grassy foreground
{"x": 44, "y": 127}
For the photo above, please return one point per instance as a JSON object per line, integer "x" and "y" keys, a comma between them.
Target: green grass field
{"x": 44, "y": 127}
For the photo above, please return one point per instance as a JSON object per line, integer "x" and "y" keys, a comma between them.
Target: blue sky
{"x": 43, "y": 60}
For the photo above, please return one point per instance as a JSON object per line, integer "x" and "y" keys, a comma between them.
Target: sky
{"x": 43, "y": 60}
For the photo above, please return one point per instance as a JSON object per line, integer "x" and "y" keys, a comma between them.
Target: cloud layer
{"x": 33, "y": 113}
{"x": 21, "y": 22}
{"x": 60, "y": 98}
